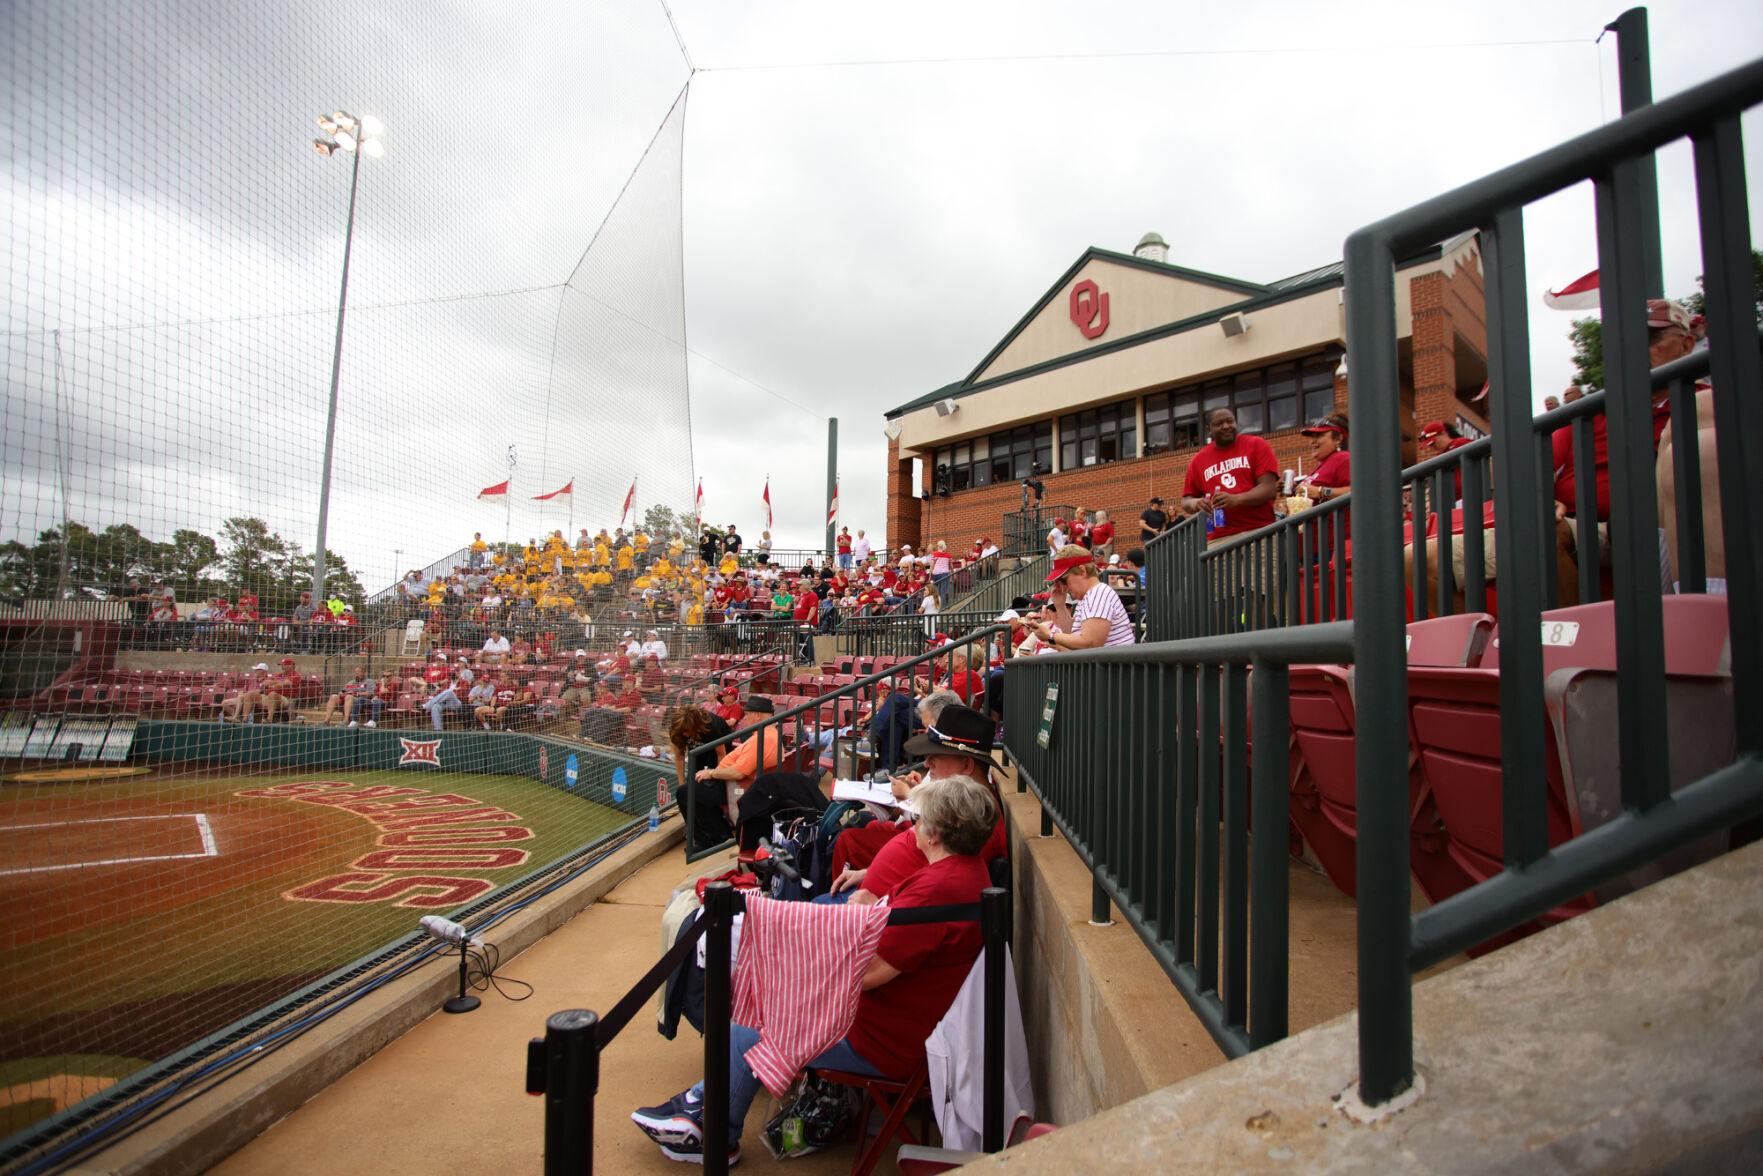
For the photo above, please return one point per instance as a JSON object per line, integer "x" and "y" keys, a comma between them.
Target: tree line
{"x": 248, "y": 557}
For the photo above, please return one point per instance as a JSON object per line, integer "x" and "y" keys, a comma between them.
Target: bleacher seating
{"x": 1457, "y": 838}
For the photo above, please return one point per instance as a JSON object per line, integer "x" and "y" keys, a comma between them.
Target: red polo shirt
{"x": 894, "y": 1019}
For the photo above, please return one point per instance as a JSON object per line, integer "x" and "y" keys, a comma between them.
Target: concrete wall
{"x": 1626, "y": 1040}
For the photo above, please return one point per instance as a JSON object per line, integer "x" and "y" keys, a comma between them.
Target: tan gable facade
{"x": 1135, "y": 298}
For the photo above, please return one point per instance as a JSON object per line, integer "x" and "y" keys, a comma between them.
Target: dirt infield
{"x": 150, "y": 912}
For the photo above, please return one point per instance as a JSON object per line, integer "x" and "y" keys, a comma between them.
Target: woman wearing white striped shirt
{"x": 1099, "y": 619}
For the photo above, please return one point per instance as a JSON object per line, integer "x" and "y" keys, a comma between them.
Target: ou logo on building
{"x": 1089, "y": 309}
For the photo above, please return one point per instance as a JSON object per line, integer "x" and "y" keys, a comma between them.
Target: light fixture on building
{"x": 1234, "y": 324}
{"x": 1340, "y": 371}
{"x": 947, "y": 407}
{"x": 892, "y": 429}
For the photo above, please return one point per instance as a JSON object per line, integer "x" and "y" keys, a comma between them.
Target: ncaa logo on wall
{"x": 1089, "y": 309}
{"x": 420, "y": 751}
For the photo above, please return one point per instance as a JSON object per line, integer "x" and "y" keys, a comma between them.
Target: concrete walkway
{"x": 450, "y": 1093}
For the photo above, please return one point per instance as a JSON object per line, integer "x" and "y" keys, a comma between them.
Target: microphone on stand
{"x": 447, "y": 931}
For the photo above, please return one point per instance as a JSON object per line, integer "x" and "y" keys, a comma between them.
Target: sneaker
{"x": 372, "y": 723}
{"x": 353, "y": 723}
{"x": 677, "y": 1127}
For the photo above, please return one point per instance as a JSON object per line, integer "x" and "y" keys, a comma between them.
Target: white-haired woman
{"x": 907, "y": 986}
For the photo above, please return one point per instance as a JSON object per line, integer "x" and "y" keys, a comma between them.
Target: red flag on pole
{"x": 629, "y": 498}
{"x": 832, "y": 512}
{"x": 499, "y": 488}
{"x": 1580, "y": 294}
{"x": 698, "y": 502}
{"x": 568, "y": 489}
{"x": 767, "y": 497}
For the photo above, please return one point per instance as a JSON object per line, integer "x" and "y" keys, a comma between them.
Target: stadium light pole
{"x": 357, "y": 137}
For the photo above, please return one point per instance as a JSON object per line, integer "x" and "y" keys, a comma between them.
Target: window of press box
{"x": 1002, "y": 457}
{"x": 1097, "y": 436}
{"x": 1172, "y": 421}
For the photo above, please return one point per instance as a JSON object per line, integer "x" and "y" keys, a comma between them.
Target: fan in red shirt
{"x": 1233, "y": 479}
{"x": 1438, "y": 438}
{"x": 807, "y": 610}
{"x": 728, "y": 704}
{"x": 906, "y": 988}
{"x": 957, "y": 744}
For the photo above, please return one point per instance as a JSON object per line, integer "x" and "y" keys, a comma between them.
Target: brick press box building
{"x": 1099, "y": 391}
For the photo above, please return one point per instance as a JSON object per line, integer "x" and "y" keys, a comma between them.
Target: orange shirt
{"x": 745, "y": 757}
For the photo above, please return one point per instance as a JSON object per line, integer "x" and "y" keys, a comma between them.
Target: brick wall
{"x": 1122, "y": 488}
{"x": 903, "y": 509}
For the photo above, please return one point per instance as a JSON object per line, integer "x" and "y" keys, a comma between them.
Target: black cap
{"x": 759, "y": 704}
{"x": 959, "y": 730}
{"x": 1155, "y": 501}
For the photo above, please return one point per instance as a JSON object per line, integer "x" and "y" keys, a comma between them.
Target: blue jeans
{"x": 446, "y": 700}
{"x": 845, "y": 560}
{"x": 368, "y": 710}
{"x": 744, "y": 1085}
{"x": 941, "y": 580}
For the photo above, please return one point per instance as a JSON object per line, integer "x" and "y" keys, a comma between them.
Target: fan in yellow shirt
{"x": 640, "y": 541}
{"x": 626, "y": 558}
{"x": 730, "y": 565}
{"x": 695, "y": 613}
{"x": 601, "y": 578}
{"x": 602, "y": 553}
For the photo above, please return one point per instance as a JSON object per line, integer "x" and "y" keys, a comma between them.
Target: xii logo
{"x": 420, "y": 751}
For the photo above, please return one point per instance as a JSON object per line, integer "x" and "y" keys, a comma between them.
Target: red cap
{"x": 1319, "y": 428}
{"x": 1662, "y": 312}
{"x": 1061, "y": 566}
{"x": 1431, "y": 430}
{"x": 287, "y": 661}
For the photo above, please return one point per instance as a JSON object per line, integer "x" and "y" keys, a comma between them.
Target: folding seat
{"x": 893, "y": 1097}
{"x": 1454, "y": 727}
{"x": 1324, "y": 762}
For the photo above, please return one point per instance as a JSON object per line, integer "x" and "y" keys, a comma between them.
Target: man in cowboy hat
{"x": 959, "y": 739}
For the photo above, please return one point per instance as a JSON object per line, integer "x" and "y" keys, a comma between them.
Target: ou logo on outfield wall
{"x": 1089, "y": 309}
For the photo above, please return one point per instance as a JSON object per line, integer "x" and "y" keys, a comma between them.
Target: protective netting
{"x": 195, "y": 824}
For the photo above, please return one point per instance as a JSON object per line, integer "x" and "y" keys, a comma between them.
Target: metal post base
{"x": 460, "y": 1004}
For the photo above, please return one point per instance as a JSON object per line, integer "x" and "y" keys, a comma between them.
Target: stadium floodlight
{"x": 348, "y": 135}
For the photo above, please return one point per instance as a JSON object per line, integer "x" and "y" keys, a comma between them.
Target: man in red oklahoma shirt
{"x": 1236, "y": 474}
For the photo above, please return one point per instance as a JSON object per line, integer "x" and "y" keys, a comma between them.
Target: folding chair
{"x": 894, "y": 1097}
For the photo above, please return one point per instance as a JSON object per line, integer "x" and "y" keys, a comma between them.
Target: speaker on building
{"x": 1234, "y": 324}
{"x": 947, "y": 407}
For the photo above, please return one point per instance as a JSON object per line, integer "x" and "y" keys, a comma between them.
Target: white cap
{"x": 581, "y": 653}
{"x": 1113, "y": 560}
{"x": 629, "y": 633}
{"x": 261, "y": 666}
{"x": 440, "y": 653}
{"x": 1009, "y": 614}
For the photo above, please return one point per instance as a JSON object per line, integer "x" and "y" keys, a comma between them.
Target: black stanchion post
{"x": 719, "y": 908}
{"x": 572, "y": 1078}
{"x": 994, "y": 922}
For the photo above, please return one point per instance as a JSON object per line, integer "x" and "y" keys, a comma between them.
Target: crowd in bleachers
{"x": 619, "y": 577}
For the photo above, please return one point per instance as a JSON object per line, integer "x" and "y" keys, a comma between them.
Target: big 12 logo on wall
{"x": 420, "y": 751}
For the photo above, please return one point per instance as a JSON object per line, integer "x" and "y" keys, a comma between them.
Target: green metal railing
{"x": 904, "y": 636}
{"x": 1026, "y": 579}
{"x": 1140, "y": 756}
{"x": 803, "y": 730}
{"x": 1144, "y": 810}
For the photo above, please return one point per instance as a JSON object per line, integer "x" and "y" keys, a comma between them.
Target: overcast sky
{"x": 853, "y": 235}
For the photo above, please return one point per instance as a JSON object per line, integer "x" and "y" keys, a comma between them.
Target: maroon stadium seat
{"x": 1454, "y": 725}
{"x": 1324, "y": 763}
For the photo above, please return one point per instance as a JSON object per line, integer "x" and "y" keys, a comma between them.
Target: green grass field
{"x": 133, "y": 936}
